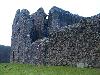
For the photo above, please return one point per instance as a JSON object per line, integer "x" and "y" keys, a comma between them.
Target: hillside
{"x": 4, "y": 54}
{"x": 25, "y": 69}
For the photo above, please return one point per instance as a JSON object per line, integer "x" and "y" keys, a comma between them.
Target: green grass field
{"x": 25, "y": 69}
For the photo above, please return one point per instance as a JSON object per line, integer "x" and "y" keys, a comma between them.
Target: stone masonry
{"x": 61, "y": 39}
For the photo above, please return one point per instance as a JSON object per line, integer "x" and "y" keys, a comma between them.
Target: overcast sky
{"x": 9, "y": 7}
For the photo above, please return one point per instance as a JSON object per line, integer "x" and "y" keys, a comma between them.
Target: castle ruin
{"x": 61, "y": 39}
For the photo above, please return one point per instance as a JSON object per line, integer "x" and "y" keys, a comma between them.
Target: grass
{"x": 26, "y": 69}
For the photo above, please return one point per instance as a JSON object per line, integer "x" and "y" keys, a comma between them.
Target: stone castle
{"x": 59, "y": 38}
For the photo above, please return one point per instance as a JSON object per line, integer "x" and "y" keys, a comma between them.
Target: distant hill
{"x": 4, "y": 53}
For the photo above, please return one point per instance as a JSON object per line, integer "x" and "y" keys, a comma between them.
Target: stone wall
{"x": 62, "y": 39}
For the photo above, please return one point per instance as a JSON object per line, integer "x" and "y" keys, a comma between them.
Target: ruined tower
{"x": 26, "y": 29}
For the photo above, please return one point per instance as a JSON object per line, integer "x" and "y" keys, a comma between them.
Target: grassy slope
{"x": 25, "y": 69}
